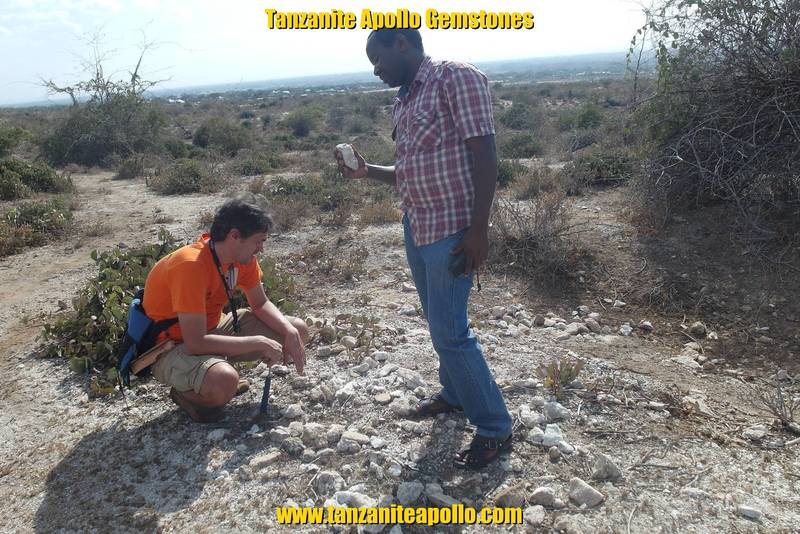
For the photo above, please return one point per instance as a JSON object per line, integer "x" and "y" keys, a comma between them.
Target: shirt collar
{"x": 423, "y": 72}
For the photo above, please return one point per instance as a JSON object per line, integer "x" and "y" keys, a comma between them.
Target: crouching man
{"x": 194, "y": 284}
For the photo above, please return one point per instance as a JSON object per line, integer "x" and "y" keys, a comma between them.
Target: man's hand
{"x": 346, "y": 171}
{"x": 475, "y": 245}
{"x": 293, "y": 349}
{"x": 271, "y": 351}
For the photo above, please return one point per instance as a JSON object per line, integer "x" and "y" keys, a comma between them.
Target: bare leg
{"x": 218, "y": 388}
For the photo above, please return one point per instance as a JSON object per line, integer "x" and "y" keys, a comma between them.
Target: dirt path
{"x": 71, "y": 464}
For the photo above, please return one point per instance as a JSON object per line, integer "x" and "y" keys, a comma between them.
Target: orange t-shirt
{"x": 187, "y": 281}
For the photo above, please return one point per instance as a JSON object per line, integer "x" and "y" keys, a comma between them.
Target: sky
{"x": 198, "y": 42}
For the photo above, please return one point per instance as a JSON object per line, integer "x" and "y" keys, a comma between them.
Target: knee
{"x": 219, "y": 384}
{"x": 302, "y": 327}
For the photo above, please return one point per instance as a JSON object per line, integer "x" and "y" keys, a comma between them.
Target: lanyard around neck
{"x": 228, "y": 290}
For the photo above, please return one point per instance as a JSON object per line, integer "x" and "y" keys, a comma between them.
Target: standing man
{"x": 193, "y": 284}
{"x": 445, "y": 172}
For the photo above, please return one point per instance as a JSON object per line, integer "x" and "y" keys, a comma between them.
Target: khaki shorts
{"x": 184, "y": 371}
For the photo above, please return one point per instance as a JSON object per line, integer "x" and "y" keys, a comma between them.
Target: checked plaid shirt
{"x": 447, "y": 103}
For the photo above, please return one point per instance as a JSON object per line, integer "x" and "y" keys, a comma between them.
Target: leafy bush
{"x": 507, "y": 171}
{"x": 185, "y": 176}
{"x": 520, "y": 117}
{"x": 10, "y": 138}
{"x": 131, "y": 167}
{"x": 32, "y": 224}
{"x": 589, "y": 115}
{"x": 257, "y": 164}
{"x": 89, "y": 336}
{"x": 176, "y": 148}
{"x": 98, "y": 130}
{"x": 724, "y": 121}
{"x": 600, "y": 168}
{"x": 222, "y": 135}
{"x": 18, "y": 178}
{"x": 326, "y": 192}
{"x": 302, "y": 120}
{"x": 519, "y": 145}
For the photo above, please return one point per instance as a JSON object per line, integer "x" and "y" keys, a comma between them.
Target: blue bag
{"x": 140, "y": 336}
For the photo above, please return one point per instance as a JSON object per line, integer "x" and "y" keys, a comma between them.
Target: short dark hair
{"x": 244, "y": 216}
{"x": 387, "y": 36}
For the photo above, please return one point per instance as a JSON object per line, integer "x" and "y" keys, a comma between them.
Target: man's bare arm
{"x": 381, "y": 173}
{"x": 484, "y": 180}
{"x": 269, "y": 314}
{"x": 199, "y": 341}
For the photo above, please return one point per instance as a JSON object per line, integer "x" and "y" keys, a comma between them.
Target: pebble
{"x": 619, "y": 304}
{"x": 383, "y": 398}
{"x": 695, "y": 493}
{"x": 697, "y": 329}
{"x": 218, "y": 434}
{"x": 294, "y": 411}
{"x": 534, "y": 515}
{"x": 328, "y": 482}
{"x": 605, "y": 468}
{"x": 544, "y": 496}
{"x": 409, "y": 492}
{"x": 583, "y": 494}
{"x": 554, "y": 411}
{"x": 749, "y": 512}
{"x": 513, "y": 497}
{"x": 593, "y": 325}
{"x": 539, "y": 320}
{"x": 280, "y": 370}
{"x": 349, "y": 342}
{"x": 377, "y": 443}
{"x": 264, "y": 460}
{"x": 535, "y": 435}
{"x": 554, "y": 454}
{"x": 646, "y": 326}
{"x": 625, "y": 330}
{"x": 380, "y": 356}
{"x": 293, "y": 446}
{"x": 552, "y": 436}
{"x": 408, "y": 288}
{"x": 755, "y": 432}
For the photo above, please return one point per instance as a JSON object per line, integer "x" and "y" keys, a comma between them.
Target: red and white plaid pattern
{"x": 447, "y": 103}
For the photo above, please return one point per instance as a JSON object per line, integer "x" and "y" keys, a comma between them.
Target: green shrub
{"x": 507, "y": 171}
{"x": 221, "y": 135}
{"x": 520, "y": 117}
{"x": 18, "y": 178}
{"x": 89, "y": 336}
{"x": 302, "y": 120}
{"x": 10, "y": 138}
{"x": 589, "y": 115}
{"x": 247, "y": 115}
{"x": 600, "y": 168}
{"x": 186, "y": 176}
{"x": 326, "y": 192}
{"x": 31, "y": 224}
{"x": 95, "y": 132}
{"x": 176, "y": 148}
{"x": 257, "y": 164}
{"x": 11, "y": 187}
{"x": 519, "y": 145}
{"x": 131, "y": 167}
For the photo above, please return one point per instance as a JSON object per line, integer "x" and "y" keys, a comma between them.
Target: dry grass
{"x": 98, "y": 228}
{"x": 381, "y": 212}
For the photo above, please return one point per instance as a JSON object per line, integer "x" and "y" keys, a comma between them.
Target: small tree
{"x": 109, "y": 117}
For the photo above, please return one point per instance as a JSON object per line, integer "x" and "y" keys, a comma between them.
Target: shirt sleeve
{"x": 470, "y": 101}
{"x": 187, "y": 284}
{"x": 249, "y": 275}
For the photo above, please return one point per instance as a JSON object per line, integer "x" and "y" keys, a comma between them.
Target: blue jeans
{"x": 465, "y": 377}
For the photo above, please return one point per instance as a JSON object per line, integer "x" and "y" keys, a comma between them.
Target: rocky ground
{"x": 653, "y": 436}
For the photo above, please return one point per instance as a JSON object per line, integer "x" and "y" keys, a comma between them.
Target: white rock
{"x": 328, "y": 482}
{"x": 218, "y": 434}
{"x": 565, "y": 448}
{"x": 625, "y": 330}
{"x": 535, "y": 435}
{"x": 534, "y": 515}
{"x": 552, "y": 436}
{"x": 380, "y": 355}
{"x": 408, "y": 288}
{"x": 645, "y": 326}
{"x": 593, "y": 325}
{"x": 554, "y": 411}
{"x": 377, "y": 443}
{"x": 583, "y": 494}
{"x": 294, "y": 411}
{"x": 411, "y": 379}
{"x": 544, "y": 496}
{"x": 315, "y": 435}
{"x": 409, "y": 492}
{"x": 346, "y": 392}
{"x": 686, "y": 361}
{"x": 755, "y": 432}
{"x": 619, "y": 304}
